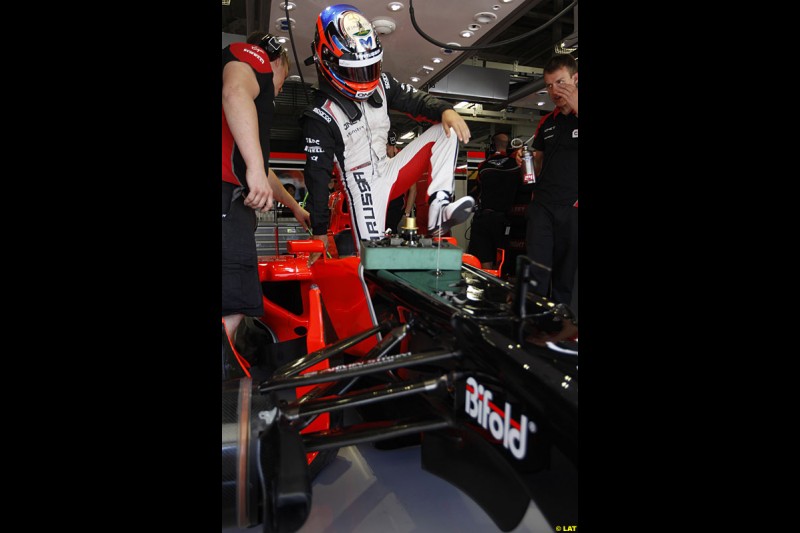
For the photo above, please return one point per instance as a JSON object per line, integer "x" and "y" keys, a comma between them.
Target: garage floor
{"x": 366, "y": 490}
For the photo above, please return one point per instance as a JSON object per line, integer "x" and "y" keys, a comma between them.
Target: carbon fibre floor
{"x": 366, "y": 490}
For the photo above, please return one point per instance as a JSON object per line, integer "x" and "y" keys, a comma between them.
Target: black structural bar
{"x": 375, "y": 394}
{"x": 298, "y": 365}
{"x": 359, "y": 368}
{"x": 370, "y": 432}
{"x": 389, "y": 341}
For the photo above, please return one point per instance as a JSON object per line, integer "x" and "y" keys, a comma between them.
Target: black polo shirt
{"x": 499, "y": 178}
{"x": 557, "y": 137}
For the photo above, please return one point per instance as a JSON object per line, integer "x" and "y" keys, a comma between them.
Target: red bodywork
{"x": 333, "y": 282}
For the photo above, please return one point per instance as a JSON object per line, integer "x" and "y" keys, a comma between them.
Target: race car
{"x": 424, "y": 349}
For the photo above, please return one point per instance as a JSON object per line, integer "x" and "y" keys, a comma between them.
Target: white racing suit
{"x": 355, "y": 135}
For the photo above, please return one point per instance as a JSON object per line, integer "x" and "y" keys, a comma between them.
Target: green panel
{"x": 377, "y": 257}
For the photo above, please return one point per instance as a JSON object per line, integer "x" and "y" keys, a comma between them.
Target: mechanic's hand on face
{"x": 451, "y": 119}
{"x": 260, "y": 196}
{"x": 569, "y": 93}
{"x": 313, "y": 257}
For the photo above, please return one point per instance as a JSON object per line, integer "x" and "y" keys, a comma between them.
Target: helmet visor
{"x": 358, "y": 70}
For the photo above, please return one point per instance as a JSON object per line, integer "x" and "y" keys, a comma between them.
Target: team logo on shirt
{"x": 497, "y": 162}
{"x": 323, "y": 114}
{"x": 575, "y": 133}
{"x": 252, "y": 53}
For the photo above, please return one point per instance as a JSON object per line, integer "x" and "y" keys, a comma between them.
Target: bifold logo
{"x": 513, "y": 434}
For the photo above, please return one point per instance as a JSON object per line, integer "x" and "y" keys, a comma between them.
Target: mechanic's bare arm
{"x": 239, "y": 90}
{"x": 282, "y": 195}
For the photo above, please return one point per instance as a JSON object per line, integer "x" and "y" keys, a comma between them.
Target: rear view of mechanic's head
{"x": 278, "y": 57}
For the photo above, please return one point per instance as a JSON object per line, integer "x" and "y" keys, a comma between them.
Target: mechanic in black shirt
{"x": 499, "y": 177}
{"x": 552, "y": 232}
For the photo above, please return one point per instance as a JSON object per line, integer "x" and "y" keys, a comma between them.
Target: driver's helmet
{"x": 347, "y": 51}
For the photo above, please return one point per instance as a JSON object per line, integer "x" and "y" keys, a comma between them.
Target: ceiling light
{"x": 383, "y": 25}
{"x": 449, "y": 51}
{"x": 543, "y": 91}
{"x": 466, "y": 34}
{"x": 436, "y": 60}
{"x": 395, "y": 6}
{"x": 407, "y": 135}
{"x": 282, "y": 25}
{"x": 414, "y": 79}
{"x": 287, "y": 5}
{"x": 474, "y": 27}
{"x": 505, "y": 1}
{"x": 485, "y": 17}
{"x": 539, "y": 103}
{"x": 282, "y": 40}
{"x": 495, "y": 7}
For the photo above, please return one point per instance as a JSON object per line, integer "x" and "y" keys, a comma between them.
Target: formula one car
{"x": 420, "y": 347}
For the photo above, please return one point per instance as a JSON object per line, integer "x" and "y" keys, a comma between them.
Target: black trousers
{"x": 489, "y": 232}
{"x": 551, "y": 239}
{"x": 241, "y": 287}
{"x": 394, "y": 214}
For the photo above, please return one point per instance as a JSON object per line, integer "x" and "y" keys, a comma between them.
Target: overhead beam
{"x": 513, "y": 67}
{"x": 525, "y": 90}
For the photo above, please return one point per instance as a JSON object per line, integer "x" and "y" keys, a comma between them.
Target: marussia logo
{"x": 513, "y": 434}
